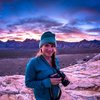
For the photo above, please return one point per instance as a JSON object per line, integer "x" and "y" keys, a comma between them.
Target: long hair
{"x": 53, "y": 60}
{"x": 39, "y": 53}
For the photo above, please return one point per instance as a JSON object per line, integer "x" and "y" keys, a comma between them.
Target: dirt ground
{"x": 12, "y": 66}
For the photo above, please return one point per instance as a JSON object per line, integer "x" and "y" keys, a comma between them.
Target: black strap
{"x": 59, "y": 95}
{"x": 52, "y": 95}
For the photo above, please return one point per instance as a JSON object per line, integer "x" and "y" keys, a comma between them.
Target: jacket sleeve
{"x": 30, "y": 77}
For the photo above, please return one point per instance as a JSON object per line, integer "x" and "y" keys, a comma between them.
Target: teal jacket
{"x": 37, "y": 77}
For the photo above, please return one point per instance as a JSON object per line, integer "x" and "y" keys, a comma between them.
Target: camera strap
{"x": 51, "y": 90}
{"x": 52, "y": 95}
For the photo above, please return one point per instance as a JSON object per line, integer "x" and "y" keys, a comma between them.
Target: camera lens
{"x": 65, "y": 82}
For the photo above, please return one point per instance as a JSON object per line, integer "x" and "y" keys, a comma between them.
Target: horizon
{"x": 57, "y": 40}
{"x": 70, "y": 20}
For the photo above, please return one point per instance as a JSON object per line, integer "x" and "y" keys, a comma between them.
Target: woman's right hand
{"x": 55, "y": 81}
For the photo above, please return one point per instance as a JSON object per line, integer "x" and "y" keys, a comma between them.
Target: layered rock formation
{"x": 13, "y": 88}
{"x": 84, "y": 84}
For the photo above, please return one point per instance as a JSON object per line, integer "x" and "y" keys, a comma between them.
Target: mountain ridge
{"x": 33, "y": 44}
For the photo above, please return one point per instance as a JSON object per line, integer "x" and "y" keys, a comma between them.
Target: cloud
{"x": 1, "y": 30}
{"x": 68, "y": 29}
{"x": 3, "y": 38}
{"x": 31, "y": 24}
{"x": 94, "y": 30}
{"x": 76, "y": 37}
{"x": 71, "y": 18}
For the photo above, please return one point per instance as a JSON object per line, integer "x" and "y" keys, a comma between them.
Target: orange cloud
{"x": 76, "y": 37}
{"x": 71, "y": 37}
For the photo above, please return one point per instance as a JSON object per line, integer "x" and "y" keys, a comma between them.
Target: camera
{"x": 64, "y": 81}
{"x": 62, "y": 75}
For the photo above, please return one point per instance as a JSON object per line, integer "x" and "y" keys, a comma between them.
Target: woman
{"x": 40, "y": 71}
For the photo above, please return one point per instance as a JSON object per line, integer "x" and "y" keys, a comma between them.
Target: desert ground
{"x": 14, "y": 63}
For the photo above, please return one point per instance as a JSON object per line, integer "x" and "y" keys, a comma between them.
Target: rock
{"x": 95, "y": 58}
{"x": 4, "y": 97}
{"x": 13, "y": 88}
{"x": 12, "y": 97}
{"x": 85, "y": 81}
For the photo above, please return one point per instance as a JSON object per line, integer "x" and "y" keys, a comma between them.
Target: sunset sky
{"x": 70, "y": 20}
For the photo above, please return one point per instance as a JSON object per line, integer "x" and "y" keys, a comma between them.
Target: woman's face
{"x": 48, "y": 49}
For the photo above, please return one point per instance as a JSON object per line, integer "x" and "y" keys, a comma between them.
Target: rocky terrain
{"x": 84, "y": 83}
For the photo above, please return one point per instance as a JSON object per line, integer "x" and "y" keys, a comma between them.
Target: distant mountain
{"x": 27, "y": 44}
{"x": 81, "y": 44}
{"x": 33, "y": 44}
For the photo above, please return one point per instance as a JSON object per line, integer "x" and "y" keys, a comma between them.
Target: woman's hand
{"x": 55, "y": 81}
{"x": 66, "y": 78}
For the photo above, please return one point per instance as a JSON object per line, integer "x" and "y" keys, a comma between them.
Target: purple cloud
{"x": 94, "y": 30}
